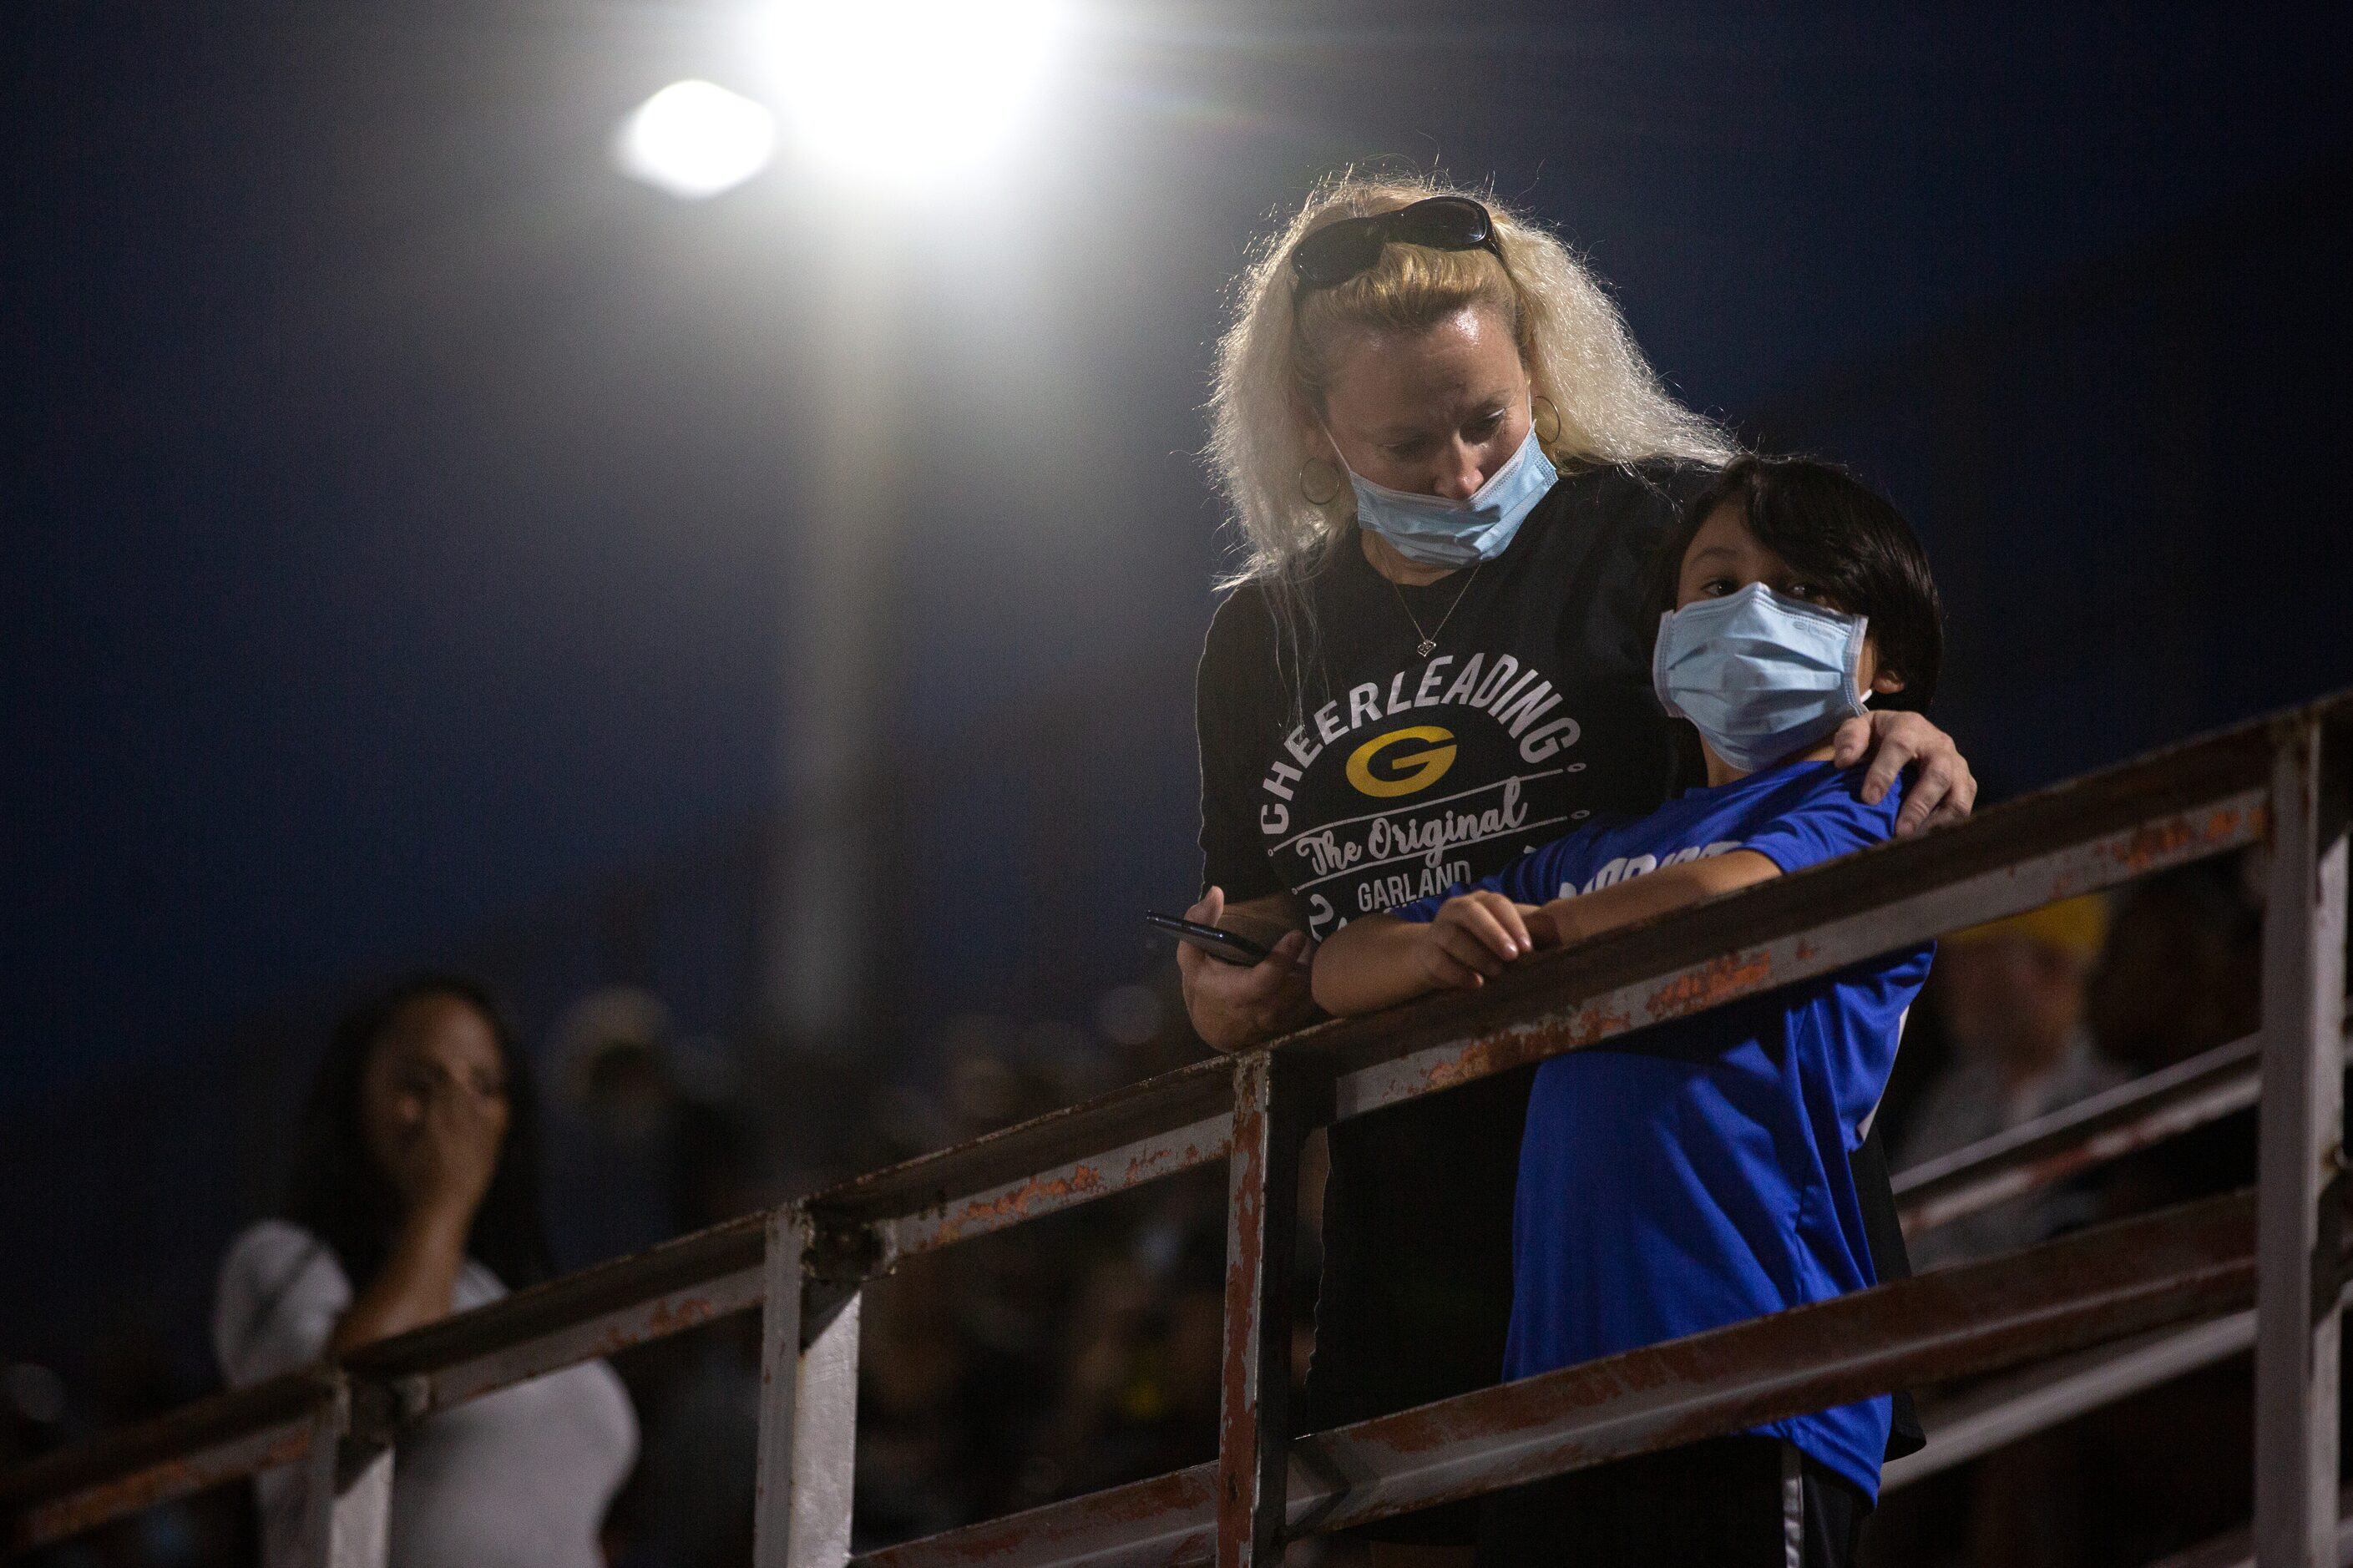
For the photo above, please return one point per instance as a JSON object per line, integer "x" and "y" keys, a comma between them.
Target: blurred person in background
{"x": 416, "y": 1194}
{"x": 2183, "y": 969}
{"x": 669, "y": 1146}
{"x": 1141, "y": 1389}
{"x": 1452, "y": 469}
{"x": 2012, "y": 994}
{"x": 2162, "y": 1470}
{"x": 2182, "y": 974}
{"x": 653, "y": 1122}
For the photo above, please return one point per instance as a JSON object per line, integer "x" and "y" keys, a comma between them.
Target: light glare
{"x": 695, "y": 138}
{"x": 898, "y": 91}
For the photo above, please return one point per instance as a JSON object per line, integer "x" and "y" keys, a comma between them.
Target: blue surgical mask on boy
{"x": 1759, "y": 674}
{"x": 1431, "y": 531}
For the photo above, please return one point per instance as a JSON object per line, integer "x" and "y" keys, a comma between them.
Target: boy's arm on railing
{"x": 1564, "y": 922}
{"x": 1380, "y": 960}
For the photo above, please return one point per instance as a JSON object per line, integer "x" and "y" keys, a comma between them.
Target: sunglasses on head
{"x": 1339, "y": 251}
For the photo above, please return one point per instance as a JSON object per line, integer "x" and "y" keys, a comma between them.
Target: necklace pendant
{"x": 1425, "y": 647}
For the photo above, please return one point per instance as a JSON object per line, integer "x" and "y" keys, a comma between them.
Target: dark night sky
{"x": 400, "y": 505}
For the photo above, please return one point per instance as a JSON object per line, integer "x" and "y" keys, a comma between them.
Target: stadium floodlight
{"x": 695, "y": 138}
{"x": 898, "y": 92}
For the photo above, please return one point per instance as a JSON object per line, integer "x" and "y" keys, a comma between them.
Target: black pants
{"x": 1727, "y": 1502}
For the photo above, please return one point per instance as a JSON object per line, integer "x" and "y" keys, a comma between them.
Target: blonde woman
{"x": 1451, "y": 470}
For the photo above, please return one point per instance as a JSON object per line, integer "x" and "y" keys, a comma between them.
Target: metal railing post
{"x": 2303, "y": 1124}
{"x": 348, "y": 1523}
{"x": 1270, "y": 1123}
{"x": 809, "y": 1404}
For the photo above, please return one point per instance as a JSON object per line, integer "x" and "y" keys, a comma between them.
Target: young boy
{"x": 1696, "y": 1174}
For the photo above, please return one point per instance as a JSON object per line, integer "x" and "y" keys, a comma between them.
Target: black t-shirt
{"x": 1377, "y": 775}
{"x": 1374, "y": 775}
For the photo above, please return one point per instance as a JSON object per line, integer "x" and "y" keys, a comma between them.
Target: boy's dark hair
{"x": 336, "y": 1190}
{"x": 1844, "y": 538}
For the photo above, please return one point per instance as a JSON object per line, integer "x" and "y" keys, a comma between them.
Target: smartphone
{"x": 1210, "y": 940}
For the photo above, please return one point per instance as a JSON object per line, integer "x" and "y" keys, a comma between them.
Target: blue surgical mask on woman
{"x": 1759, "y": 674}
{"x": 1431, "y": 531}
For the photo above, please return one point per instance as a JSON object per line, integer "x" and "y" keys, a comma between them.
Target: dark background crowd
{"x": 398, "y": 510}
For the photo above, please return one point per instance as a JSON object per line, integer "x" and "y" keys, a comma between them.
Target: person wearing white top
{"x": 416, "y": 1176}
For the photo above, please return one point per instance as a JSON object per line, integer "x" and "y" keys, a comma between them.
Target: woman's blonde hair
{"x": 1275, "y": 359}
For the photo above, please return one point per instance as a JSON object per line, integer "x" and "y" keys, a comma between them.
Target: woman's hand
{"x": 444, "y": 1164}
{"x": 1945, "y": 791}
{"x": 1475, "y": 936}
{"x": 1233, "y": 1006}
{"x": 441, "y": 1167}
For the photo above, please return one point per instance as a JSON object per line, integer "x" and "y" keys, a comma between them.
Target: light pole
{"x": 882, "y": 101}
{"x": 819, "y": 928}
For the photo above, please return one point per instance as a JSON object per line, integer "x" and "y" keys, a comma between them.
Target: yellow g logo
{"x": 1405, "y": 770}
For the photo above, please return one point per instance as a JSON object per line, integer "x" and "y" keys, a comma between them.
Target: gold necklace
{"x": 1428, "y": 642}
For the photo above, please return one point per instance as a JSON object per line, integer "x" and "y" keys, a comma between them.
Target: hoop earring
{"x": 1536, "y": 408}
{"x": 1332, "y": 491}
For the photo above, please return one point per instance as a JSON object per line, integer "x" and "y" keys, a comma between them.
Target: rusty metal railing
{"x": 2131, "y": 1294}
{"x": 2074, "y": 1139}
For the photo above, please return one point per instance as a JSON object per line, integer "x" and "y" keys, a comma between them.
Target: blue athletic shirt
{"x": 1694, "y": 1173}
